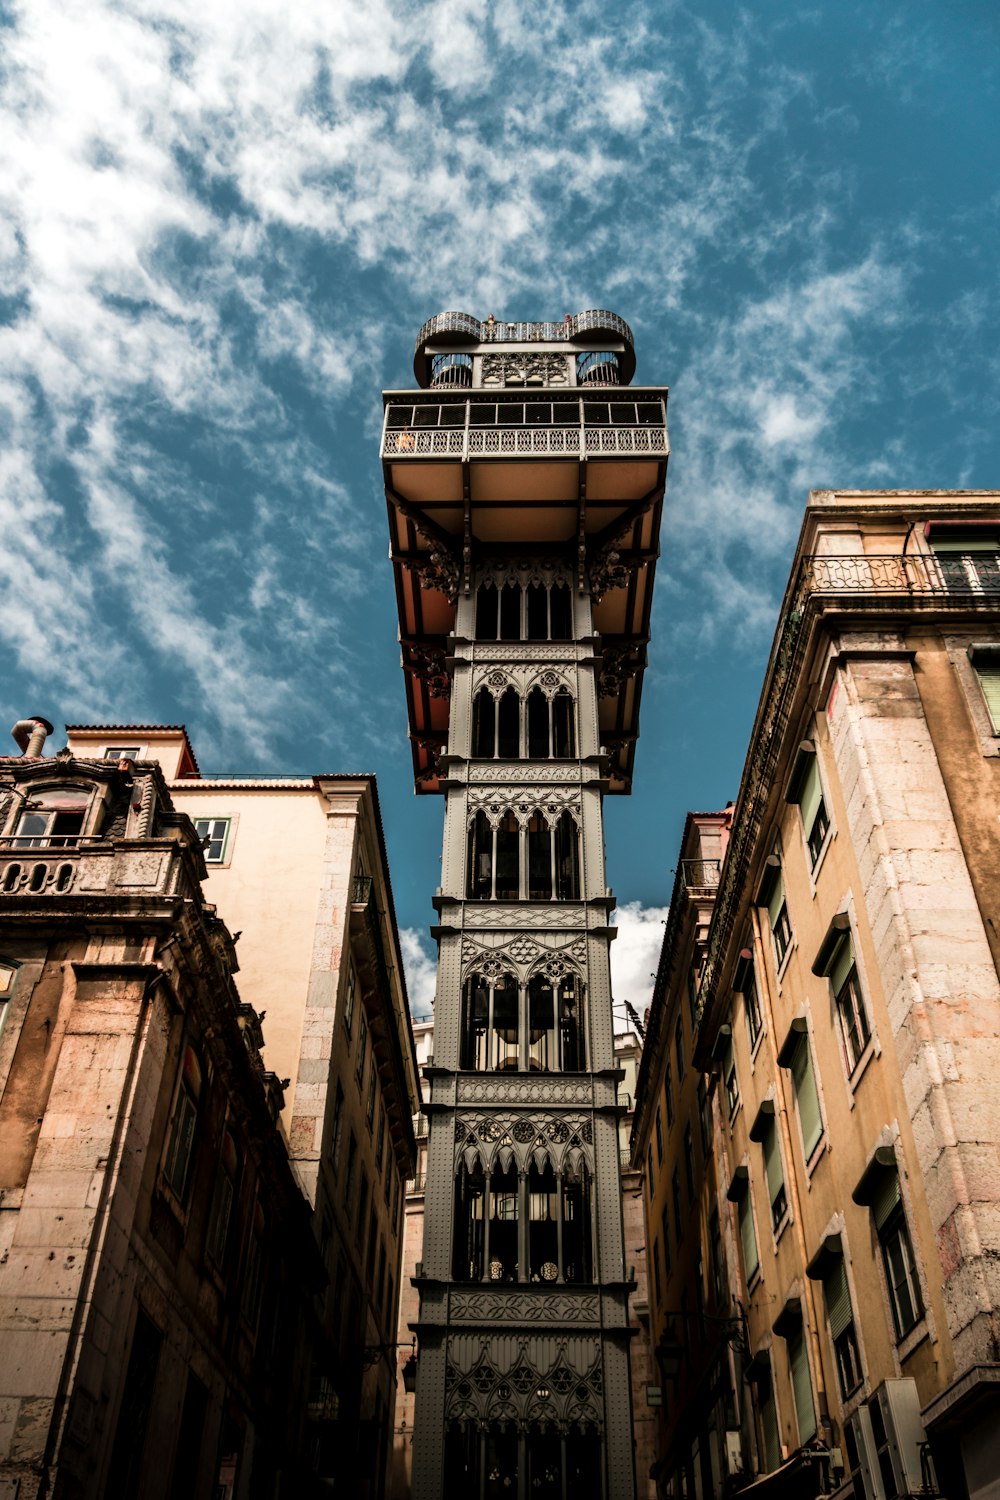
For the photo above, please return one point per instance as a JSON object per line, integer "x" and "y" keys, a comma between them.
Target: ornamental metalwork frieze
{"x": 498, "y": 678}
{"x": 497, "y": 802}
{"x": 502, "y": 1141}
{"x": 538, "y": 1090}
{"x": 428, "y": 665}
{"x": 554, "y": 914}
{"x": 568, "y": 771}
{"x": 525, "y": 369}
{"x": 504, "y": 651}
{"x": 524, "y": 955}
{"x": 504, "y": 1381}
{"x": 524, "y": 571}
{"x": 523, "y": 1307}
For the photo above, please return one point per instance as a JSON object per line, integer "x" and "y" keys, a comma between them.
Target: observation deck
{"x": 525, "y": 439}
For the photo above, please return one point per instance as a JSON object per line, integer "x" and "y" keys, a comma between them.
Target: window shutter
{"x": 842, "y": 964}
{"x": 772, "y": 1163}
{"x": 801, "y": 1387}
{"x": 812, "y": 795}
{"x": 966, "y": 544}
{"x": 838, "y": 1298}
{"x": 807, "y": 1098}
{"x": 751, "y": 1260}
{"x": 989, "y": 681}
{"x": 886, "y": 1199}
{"x": 777, "y": 900}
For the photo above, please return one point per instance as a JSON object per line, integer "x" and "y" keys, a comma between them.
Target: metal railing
{"x": 951, "y": 573}
{"x": 363, "y": 895}
{"x": 593, "y": 320}
{"x": 523, "y": 442}
{"x": 700, "y": 874}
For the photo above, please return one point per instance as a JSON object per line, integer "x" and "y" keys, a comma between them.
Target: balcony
{"x": 952, "y": 573}
{"x": 699, "y": 874}
{"x": 579, "y": 429}
{"x": 38, "y": 866}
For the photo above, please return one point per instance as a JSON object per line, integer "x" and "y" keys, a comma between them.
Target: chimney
{"x": 30, "y": 735}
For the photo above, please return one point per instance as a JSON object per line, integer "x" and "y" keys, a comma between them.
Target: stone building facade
{"x": 323, "y": 962}
{"x": 157, "y": 1265}
{"x": 847, "y": 1016}
{"x": 524, "y": 481}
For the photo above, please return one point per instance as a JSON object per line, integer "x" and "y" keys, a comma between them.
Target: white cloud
{"x": 635, "y": 954}
{"x": 421, "y": 973}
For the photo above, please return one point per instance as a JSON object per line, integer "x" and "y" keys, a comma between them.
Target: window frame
{"x": 226, "y": 846}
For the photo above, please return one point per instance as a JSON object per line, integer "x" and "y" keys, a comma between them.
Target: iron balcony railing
{"x": 465, "y": 325}
{"x": 950, "y": 573}
{"x": 700, "y": 874}
{"x": 524, "y": 442}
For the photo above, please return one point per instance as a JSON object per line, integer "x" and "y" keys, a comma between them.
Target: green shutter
{"x": 805, "y": 1414}
{"x": 812, "y": 795}
{"x": 777, "y": 899}
{"x": 838, "y": 1298}
{"x": 751, "y": 1259}
{"x": 772, "y": 1162}
{"x": 887, "y": 1197}
{"x": 807, "y": 1097}
{"x": 769, "y": 1422}
{"x": 843, "y": 961}
{"x": 989, "y": 681}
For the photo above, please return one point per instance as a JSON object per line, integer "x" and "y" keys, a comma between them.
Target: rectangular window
{"x": 769, "y": 1424}
{"x": 675, "y": 1188}
{"x": 806, "y": 789}
{"x": 774, "y": 1175}
{"x": 659, "y": 1136}
{"x": 854, "y": 1026}
{"x": 665, "y": 1229}
{"x": 177, "y": 1164}
{"x": 362, "y": 1214}
{"x": 380, "y": 1137}
{"x": 389, "y": 1174}
{"x": 668, "y": 1092}
{"x": 689, "y": 1161}
{"x": 748, "y": 1235}
{"x": 704, "y": 1119}
{"x": 731, "y": 1078}
{"x": 841, "y": 1318}
{"x": 121, "y": 752}
{"x": 359, "y": 1071}
{"x": 372, "y": 1246}
{"x": 338, "y": 1126}
{"x": 777, "y": 911}
{"x": 352, "y": 985}
{"x": 751, "y": 1005}
{"x": 806, "y": 1093}
{"x": 897, "y": 1257}
{"x": 214, "y": 835}
{"x": 988, "y": 672}
{"x": 715, "y": 1256}
{"x": 650, "y": 1184}
{"x": 390, "y": 1305}
{"x": 798, "y": 1361}
{"x": 352, "y": 1161}
{"x": 372, "y": 1084}
{"x": 679, "y": 1047}
{"x": 656, "y": 1271}
{"x": 969, "y": 561}
{"x": 223, "y": 1197}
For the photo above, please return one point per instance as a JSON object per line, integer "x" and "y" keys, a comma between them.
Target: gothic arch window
{"x": 535, "y": 612}
{"x": 484, "y": 723}
{"x": 555, "y": 1024}
{"x": 563, "y": 728}
{"x": 490, "y": 1024}
{"x": 516, "y": 1225}
{"x": 577, "y": 1226}
{"x": 509, "y": 725}
{"x": 567, "y": 842}
{"x": 536, "y": 859}
{"x": 470, "y": 1221}
{"x": 538, "y": 725}
{"x": 488, "y": 1460}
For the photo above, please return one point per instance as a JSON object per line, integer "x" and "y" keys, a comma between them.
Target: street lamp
{"x": 670, "y": 1351}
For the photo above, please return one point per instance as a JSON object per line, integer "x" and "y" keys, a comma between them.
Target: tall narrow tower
{"x": 524, "y": 481}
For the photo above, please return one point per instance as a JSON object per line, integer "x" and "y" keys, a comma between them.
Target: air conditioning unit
{"x": 884, "y": 1439}
{"x": 862, "y": 1457}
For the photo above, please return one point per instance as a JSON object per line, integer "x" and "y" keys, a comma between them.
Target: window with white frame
{"x": 214, "y": 835}
{"x": 836, "y": 962}
{"x": 764, "y": 1130}
{"x": 745, "y": 983}
{"x": 806, "y": 788}
{"x": 879, "y": 1190}
{"x": 796, "y": 1056}
{"x": 51, "y": 819}
{"x": 739, "y": 1194}
{"x": 771, "y": 894}
{"x": 798, "y": 1369}
{"x": 180, "y": 1145}
{"x": 122, "y": 752}
{"x": 837, "y": 1296}
{"x": 985, "y": 661}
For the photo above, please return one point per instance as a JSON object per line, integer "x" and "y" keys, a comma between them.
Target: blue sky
{"x": 221, "y": 226}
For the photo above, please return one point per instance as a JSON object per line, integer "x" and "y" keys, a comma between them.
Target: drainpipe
{"x": 30, "y": 735}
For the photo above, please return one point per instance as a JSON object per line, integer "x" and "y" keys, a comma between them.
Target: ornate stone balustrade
{"x": 37, "y": 871}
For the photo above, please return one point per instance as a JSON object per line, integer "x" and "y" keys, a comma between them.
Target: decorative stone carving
{"x": 523, "y": 1306}
{"x": 507, "y": 1381}
{"x": 523, "y": 571}
{"x": 496, "y": 802}
{"x": 553, "y": 914}
{"x": 524, "y": 955}
{"x": 525, "y": 651}
{"x": 568, "y": 771}
{"x": 618, "y": 663}
{"x": 429, "y": 666}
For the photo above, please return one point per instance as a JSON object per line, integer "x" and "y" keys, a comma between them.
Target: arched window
{"x": 470, "y": 1223}
{"x": 577, "y": 1226}
{"x": 52, "y": 819}
{"x": 543, "y": 1224}
{"x": 479, "y": 881}
{"x": 563, "y": 736}
{"x": 510, "y": 862}
{"x": 490, "y": 1024}
{"x": 509, "y": 725}
{"x": 539, "y": 858}
{"x": 555, "y": 1024}
{"x": 560, "y": 613}
{"x": 484, "y": 723}
{"x": 538, "y": 725}
{"x": 567, "y": 859}
{"x": 486, "y": 612}
{"x": 510, "y": 612}
{"x": 502, "y": 1224}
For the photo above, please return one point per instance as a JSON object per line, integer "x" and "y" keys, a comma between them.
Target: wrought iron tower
{"x": 524, "y": 481}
